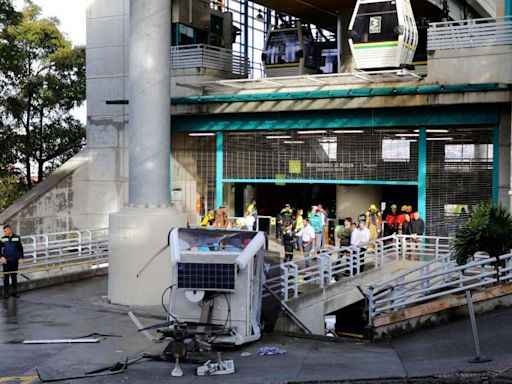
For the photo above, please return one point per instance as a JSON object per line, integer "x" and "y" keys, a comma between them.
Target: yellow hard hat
{"x": 393, "y": 206}
{"x": 404, "y": 208}
{"x": 373, "y": 207}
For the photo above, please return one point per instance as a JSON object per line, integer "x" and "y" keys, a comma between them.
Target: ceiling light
{"x": 311, "y": 132}
{"x": 278, "y": 137}
{"x": 293, "y": 142}
{"x": 439, "y": 138}
{"x": 202, "y": 134}
{"x": 434, "y": 130}
{"x": 407, "y": 135}
{"x": 350, "y": 131}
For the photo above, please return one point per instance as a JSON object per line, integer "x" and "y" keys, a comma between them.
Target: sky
{"x": 71, "y": 14}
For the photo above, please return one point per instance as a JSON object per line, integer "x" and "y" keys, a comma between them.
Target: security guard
{"x": 11, "y": 251}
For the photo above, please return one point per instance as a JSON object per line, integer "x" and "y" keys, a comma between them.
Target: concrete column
{"x": 141, "y": 229}
{"x": 339, "y": 40}
{"x": 149, "y": 95}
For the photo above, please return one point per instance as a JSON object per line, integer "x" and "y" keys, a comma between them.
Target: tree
{"x": 12, "y": 186}
{"x": 488, "y": 229}
{"x": 43, "y": 78}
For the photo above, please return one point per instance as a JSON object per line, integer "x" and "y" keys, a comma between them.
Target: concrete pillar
{"x": 504, "y": 161}
{"x": 149, "y": 95}
{"x": 141, "y": 229}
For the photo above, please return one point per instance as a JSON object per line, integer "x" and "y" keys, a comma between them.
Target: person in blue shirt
{"x": 11, "y": 255}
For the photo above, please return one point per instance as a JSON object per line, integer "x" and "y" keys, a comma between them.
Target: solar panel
{"x": 212, "y": 277}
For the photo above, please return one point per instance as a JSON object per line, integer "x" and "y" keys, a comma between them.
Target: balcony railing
{"x": 472, "y": 33}
{"x": 207, "y": 56}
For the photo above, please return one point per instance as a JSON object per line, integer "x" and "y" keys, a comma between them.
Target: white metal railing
{"x": 325, "y": 267}
{"x": 207, "y": 56}
{"x": 437, "y": 278}
{"x": 470, "y": 33}
{"x": 63, "y": 252}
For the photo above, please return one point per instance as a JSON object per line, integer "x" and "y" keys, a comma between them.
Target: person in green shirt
{"x": 318, "y": 225}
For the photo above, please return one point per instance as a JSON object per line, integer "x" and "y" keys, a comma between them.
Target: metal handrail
{"x": 208, "y": 56}
{"x": 322, "y": 267}
{"x": 64, "y": 252}
{"x": 470, "y": 33}
{"x": 438, "y": 278}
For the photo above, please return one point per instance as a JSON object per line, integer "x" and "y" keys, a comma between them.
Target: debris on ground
{"x": 269, "y": 351}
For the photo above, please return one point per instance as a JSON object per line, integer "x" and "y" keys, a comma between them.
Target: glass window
{"x": 396, "y": 150}
{"x": 330, "y": 147}
{"x": 375, "y": 22}
{"x": 282, "y": 47}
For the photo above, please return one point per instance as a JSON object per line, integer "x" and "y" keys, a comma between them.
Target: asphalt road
{"x": 434, "y": 355}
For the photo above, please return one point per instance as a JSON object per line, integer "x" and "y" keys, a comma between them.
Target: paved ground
{"x": 439, "y": 354}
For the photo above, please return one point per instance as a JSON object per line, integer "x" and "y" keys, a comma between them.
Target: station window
{"x": 330, "y": 146}
{"x": 468, "y": 152}
{"x": 396, "y": 150}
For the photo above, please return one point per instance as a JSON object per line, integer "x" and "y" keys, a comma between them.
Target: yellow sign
{"x": 295, "y": 166}
{"x": 280, "y": 176}
{"x": 273, "y": 221}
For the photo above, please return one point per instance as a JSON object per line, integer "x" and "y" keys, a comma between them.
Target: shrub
{"x": 489, "y": 229}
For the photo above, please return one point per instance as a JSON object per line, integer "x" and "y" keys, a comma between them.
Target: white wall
{"x": 353, "y": 200}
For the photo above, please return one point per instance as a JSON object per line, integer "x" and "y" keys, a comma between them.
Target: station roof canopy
{"x": 323, "y": 12}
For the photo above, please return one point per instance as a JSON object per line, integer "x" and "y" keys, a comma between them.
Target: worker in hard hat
{"x": 374, "y": 221}
{"x": 401, "y": 218}
{"x": 390, "y": 223}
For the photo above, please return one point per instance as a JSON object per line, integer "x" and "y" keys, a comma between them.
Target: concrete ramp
{"x": 312, "y": 305}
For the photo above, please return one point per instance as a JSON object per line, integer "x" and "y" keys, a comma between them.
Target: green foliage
{"x": 488, "y": 229}
{"x": 11, "y": 188}
{"x": 42, "y": 78}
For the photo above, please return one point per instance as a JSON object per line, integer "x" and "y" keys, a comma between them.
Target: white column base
{"x": 135, "y": 235}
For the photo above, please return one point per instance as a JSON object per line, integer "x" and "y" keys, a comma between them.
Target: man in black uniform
{"x": 11, "y": 255}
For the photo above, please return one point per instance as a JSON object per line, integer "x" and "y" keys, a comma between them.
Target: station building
{"x": 434, "y": 135}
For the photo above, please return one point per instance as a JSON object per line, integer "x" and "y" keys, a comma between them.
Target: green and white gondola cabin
{"x": 383, "y": 34}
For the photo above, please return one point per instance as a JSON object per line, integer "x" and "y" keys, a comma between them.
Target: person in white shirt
{"x": 360, "y": 238}
{"x": 307, "y": 234}
{"x": 249, "y": 222}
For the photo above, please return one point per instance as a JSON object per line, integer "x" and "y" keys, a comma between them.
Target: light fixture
{"x": 407, "y": 135}
{"x": 202, "y": 134}
{"x": 293, "y": 142}
{"x": 311, "y": 132}
{"x": 278, "y": 137}
{"x": 434, "y": 130}
{"x": 260, "y": 15}
{"x": 439, "y": 138}
{"x": 350, "y": 131}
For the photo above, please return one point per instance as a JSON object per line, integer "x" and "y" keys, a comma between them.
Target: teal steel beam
{"x": 341, "y": 118}
{"x": 422, "y": 173}
{"x": 508, "y": 7}
{"x": 496, "y": 164}
{"x": 306, "y": 181}
{"x": 341, "y": 93}
{"x": 333, "y": 94}
{"x": 219, "y": 164}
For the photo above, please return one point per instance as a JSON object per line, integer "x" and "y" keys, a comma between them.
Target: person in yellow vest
{"x": 299, "y": 224}
{"x": 209, "y": 219}
{"x": 373, "y": 220}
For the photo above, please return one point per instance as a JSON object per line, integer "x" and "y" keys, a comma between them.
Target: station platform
{"x": 436, "y": 355}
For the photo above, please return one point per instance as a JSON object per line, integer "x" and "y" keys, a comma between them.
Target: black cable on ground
{"x": 95, "y": 334}
{"x": 163, "y": 304}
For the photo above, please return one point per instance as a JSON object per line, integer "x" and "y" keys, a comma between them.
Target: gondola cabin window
{"x": 375, "y": 22}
